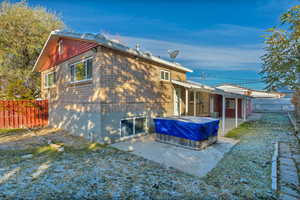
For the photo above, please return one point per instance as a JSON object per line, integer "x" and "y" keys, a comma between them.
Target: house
{"x": 104, "y": 90}
{"x": 107, "y": 92}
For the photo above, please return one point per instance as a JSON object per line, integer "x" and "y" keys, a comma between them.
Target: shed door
{"x": 177, "y": 93}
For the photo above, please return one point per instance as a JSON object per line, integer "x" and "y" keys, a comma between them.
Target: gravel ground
{"x": 106, "y": 173}
{"x": 246, "y": 170}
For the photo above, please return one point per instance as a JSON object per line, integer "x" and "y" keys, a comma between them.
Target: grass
{"x": 15, "y": 156}
{"x": 10, "y": 130}
{"x": 236, "y": 133}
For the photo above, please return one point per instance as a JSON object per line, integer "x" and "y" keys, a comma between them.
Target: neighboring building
{"x": 262, "y": 101}
{"x": 288, "y": 93}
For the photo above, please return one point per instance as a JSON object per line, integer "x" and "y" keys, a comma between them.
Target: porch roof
{"x": 193, "y": 86}
{"x": 205, "y": 88}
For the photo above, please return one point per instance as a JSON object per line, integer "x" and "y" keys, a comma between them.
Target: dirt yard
{"x": 30, "y": 168}
{"x": 26, "y": 139}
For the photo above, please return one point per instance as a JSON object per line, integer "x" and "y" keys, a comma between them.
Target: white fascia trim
{"x": 206, "y": 87}
{"x": 181, "y": 84}
{"x": 194, "y": 86}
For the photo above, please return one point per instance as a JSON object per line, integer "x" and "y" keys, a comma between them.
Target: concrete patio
{"x": 193, "y": 162}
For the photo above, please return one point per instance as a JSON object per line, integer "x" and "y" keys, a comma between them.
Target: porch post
{"x": 236, "y": 112}
{"x": 194, "y": 103}
{"x": 244, "y": 108}
{"x": 211, "y": 104}
{"x": 186, "y": 101}
{"x": 223, "y": 115}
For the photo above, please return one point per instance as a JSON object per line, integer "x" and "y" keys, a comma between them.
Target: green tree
{"x": 23, "y": 32}
{"x": 282, "y": 58}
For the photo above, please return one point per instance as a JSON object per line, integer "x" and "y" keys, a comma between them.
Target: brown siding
{"x": 132, "y": 82}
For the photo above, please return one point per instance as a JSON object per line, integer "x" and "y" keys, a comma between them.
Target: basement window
{"x": 49, "y": 79}
{"x": 164, "y": 75}
{"x": 133, "y": 126}
{"x": 82, "y": 71}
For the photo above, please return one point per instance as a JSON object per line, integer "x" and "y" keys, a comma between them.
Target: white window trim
{"x": 46, "y": 80}
{"x": 165, "y": 71}
{"x": 81, "y": 61}
{"x": 134, "y": 135}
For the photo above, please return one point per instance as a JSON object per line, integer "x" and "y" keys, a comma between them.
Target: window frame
{"x": 164, "y": 75}
{"x": 46, "y": 79}
{"x": 230, "y": 104}
{"x": 86, "y": 70}
{"x": 134, "y": 127}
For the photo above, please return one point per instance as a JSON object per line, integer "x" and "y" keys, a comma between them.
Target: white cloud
{"x": 231, "y": 30}
{"x": 241, "y": 57}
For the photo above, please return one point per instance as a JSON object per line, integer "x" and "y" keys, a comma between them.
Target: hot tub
{"x": 187, "y": 131}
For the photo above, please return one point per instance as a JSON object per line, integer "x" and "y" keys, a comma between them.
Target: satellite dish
{"x": 173, "y": 54}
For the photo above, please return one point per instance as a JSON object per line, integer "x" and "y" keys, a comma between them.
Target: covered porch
{"x": 195, "y": 99}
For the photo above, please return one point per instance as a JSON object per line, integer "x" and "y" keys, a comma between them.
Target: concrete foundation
{"x": 84, "y": 124}
{"x": 94, "y": 126}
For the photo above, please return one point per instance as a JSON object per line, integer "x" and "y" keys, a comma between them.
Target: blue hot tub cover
{"x": 188, "y": 127}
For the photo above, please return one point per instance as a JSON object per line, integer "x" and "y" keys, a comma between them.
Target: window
{"x": 198, "y": 97}
{"x": 164, "y": 75}
{"x": 127, "y": 127}
{"x": 191, "y": 96}
{"x": 133, "y": 126}
{"x": 230, "y": 104}
{"x": 49, "y": 79}
{"x": 140, "y": 125}
{"x": 82, "y": 70}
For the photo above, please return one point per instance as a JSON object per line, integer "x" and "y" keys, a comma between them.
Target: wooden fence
{"x": 23, "y": 113}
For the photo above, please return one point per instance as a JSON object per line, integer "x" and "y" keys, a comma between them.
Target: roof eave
{"x": 109, "y": 44}
{"x": 42, "y": 52}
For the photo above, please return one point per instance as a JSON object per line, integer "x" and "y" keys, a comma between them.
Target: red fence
{"x": 23, "y": 113}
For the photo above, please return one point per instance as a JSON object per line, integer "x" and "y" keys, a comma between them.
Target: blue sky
{"x": 221, "y": 40}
